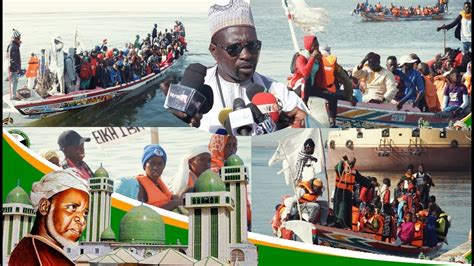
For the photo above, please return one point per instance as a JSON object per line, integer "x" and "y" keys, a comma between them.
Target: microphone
{"x": 191, "y": 95}
{"x": 268, "y": 104}
{"x": 265, "y": 124}
{"x": 224, "y": 119}
{"x": 252, "y": 89}
{"x": 241, "y": 119}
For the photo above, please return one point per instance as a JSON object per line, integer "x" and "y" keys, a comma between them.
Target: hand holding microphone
{"x": 191, "y": 98}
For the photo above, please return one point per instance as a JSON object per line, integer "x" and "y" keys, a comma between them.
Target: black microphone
{"x": 252, "y": 89}
{"x": 191, "y": 96}
{"x": 264, "y": 122}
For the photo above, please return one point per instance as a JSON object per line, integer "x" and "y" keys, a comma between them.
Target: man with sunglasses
{"x": 235, "y": 47}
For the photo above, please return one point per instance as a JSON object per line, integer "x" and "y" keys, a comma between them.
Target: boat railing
{"x": 385, "y": 147}
{"x": 415, "y": 147}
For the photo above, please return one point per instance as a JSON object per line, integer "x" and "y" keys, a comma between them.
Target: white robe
{"x": 56, "y": 65}
{"x": 210, "y": 122}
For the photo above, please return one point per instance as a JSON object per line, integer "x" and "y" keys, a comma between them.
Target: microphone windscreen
{"x": 258, "y": 116}
{"x": 267, "y": 103}
{"x": 238, "y": 104}
{"x": 252, "y": 89}
{"x": 193, "y": 75}
{"x": 206, "y": 91}
{"x": 224, "y": 115}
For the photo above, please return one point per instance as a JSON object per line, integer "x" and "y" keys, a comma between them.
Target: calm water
{"x": 125, "y": 159}
{"x": 452, "y": 191}
{"x": 349, "y": 38}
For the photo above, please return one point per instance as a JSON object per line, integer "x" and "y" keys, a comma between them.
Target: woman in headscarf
{"x": 192, "y": 165}
{"x": 221, "y": 147}
{"x": 152, "y": 189}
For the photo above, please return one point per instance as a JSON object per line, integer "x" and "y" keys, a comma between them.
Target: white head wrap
{"x": 180, "y": 181}
{"x": 55, "y": 182}
{"x": 235, "y": 13}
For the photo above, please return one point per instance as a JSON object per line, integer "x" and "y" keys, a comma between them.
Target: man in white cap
{"x": 415, "y": 91}
{"x": 14, "y": 68}
{"x": 56, "y": 64}
{"x": 236, "y": 48}
{"x": 61, "y": 200}
{"x": 72, "y": 145}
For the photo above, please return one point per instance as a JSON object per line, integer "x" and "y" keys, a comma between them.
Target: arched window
{"x": 237, "y": 255}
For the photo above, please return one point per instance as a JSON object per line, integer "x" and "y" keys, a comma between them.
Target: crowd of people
{"x": 409, "y": 216}
{"x": 402, "y": 11}
{"x": 442, "y": 84}
{"x": 151, "y": 187}
{"x": 58, "y": 72}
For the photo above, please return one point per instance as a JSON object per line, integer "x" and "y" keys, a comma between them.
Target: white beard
{"x": 54, "y": 234}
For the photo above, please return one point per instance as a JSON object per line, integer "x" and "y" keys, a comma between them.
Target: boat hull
{"x": 438, "y": 150}
{"x": 367, "y": 115}
{"x": 365, "y": 242}
{"x": 84, "y": 98}
{"x": 382, "y": 17}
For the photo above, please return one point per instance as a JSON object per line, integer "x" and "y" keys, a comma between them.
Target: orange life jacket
{"x": 309, "y": 195}
{"x": 32, "y": 68}
{"x": 157, "y": 195}
{"x": 347, "y": 181}
{"x": 418, "y": 239}
{"x": 378, "y": 231}
{"x": 431, "y": 96}
{"x": 329, "y": 63}
{"x": 355, "y": 218}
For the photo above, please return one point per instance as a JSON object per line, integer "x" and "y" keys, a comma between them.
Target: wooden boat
{"x": 35, "y": 105}
{"x": 341, "y": 238}
{"x": 369, "y": 115}
{"x": 365, "y": 242}
{"x": 388, "y": 17}
{"x": 392, "y": 149}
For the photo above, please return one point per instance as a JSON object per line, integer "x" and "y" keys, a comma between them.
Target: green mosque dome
{"x": 233, "y": 160}
{"x": 18, "y": 195}
{"x": 142, "y": 225}
{"x": 107, "y": 235}
{"x": 101, "y": 172}
{"x": 208, "y": 182}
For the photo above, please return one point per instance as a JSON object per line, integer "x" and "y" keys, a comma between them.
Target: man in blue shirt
{"x": 401, "y": 79}
{"x": 416, "y": 92}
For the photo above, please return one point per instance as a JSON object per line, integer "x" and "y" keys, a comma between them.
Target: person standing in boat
{"x": 32, "y": 70}
{"x": 463, "y": 27}
{"x": 346, "y": 177}
{"x": 56, "y": 64}
{"x": 72, "y": 145}
{"x": 14, "y": 68}
{"x": 70, "y": 77}
{"x": 380, "y": 83}
{"x": 424, "y": 182}
{"x": 154, "y": 34}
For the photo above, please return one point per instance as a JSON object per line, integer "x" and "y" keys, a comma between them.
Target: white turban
{"x": 180, "y": 181}
{"x": 234, "y": 13}
{"x": 55, "y": 182}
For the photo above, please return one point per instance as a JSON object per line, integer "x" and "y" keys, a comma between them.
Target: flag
{"x": 309, "y": 19}
{"x": 288, "y": 151}
{"x": 78, "y": 42}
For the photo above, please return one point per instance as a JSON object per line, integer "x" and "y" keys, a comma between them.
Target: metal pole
{"x": 323, "y": 163}
{"x": 290, "y": 24}
{"x": 155, "y": 136}
{"x": 293, "y": 184}
{"x": 444, "y": 42}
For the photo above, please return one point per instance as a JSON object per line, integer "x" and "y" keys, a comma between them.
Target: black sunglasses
{"x": 235, "y": 49}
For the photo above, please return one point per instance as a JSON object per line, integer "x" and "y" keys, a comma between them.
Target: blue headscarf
{"x": 153, "y": 150}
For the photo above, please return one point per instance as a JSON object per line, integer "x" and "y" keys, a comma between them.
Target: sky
{"x": 29, "y": 6}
